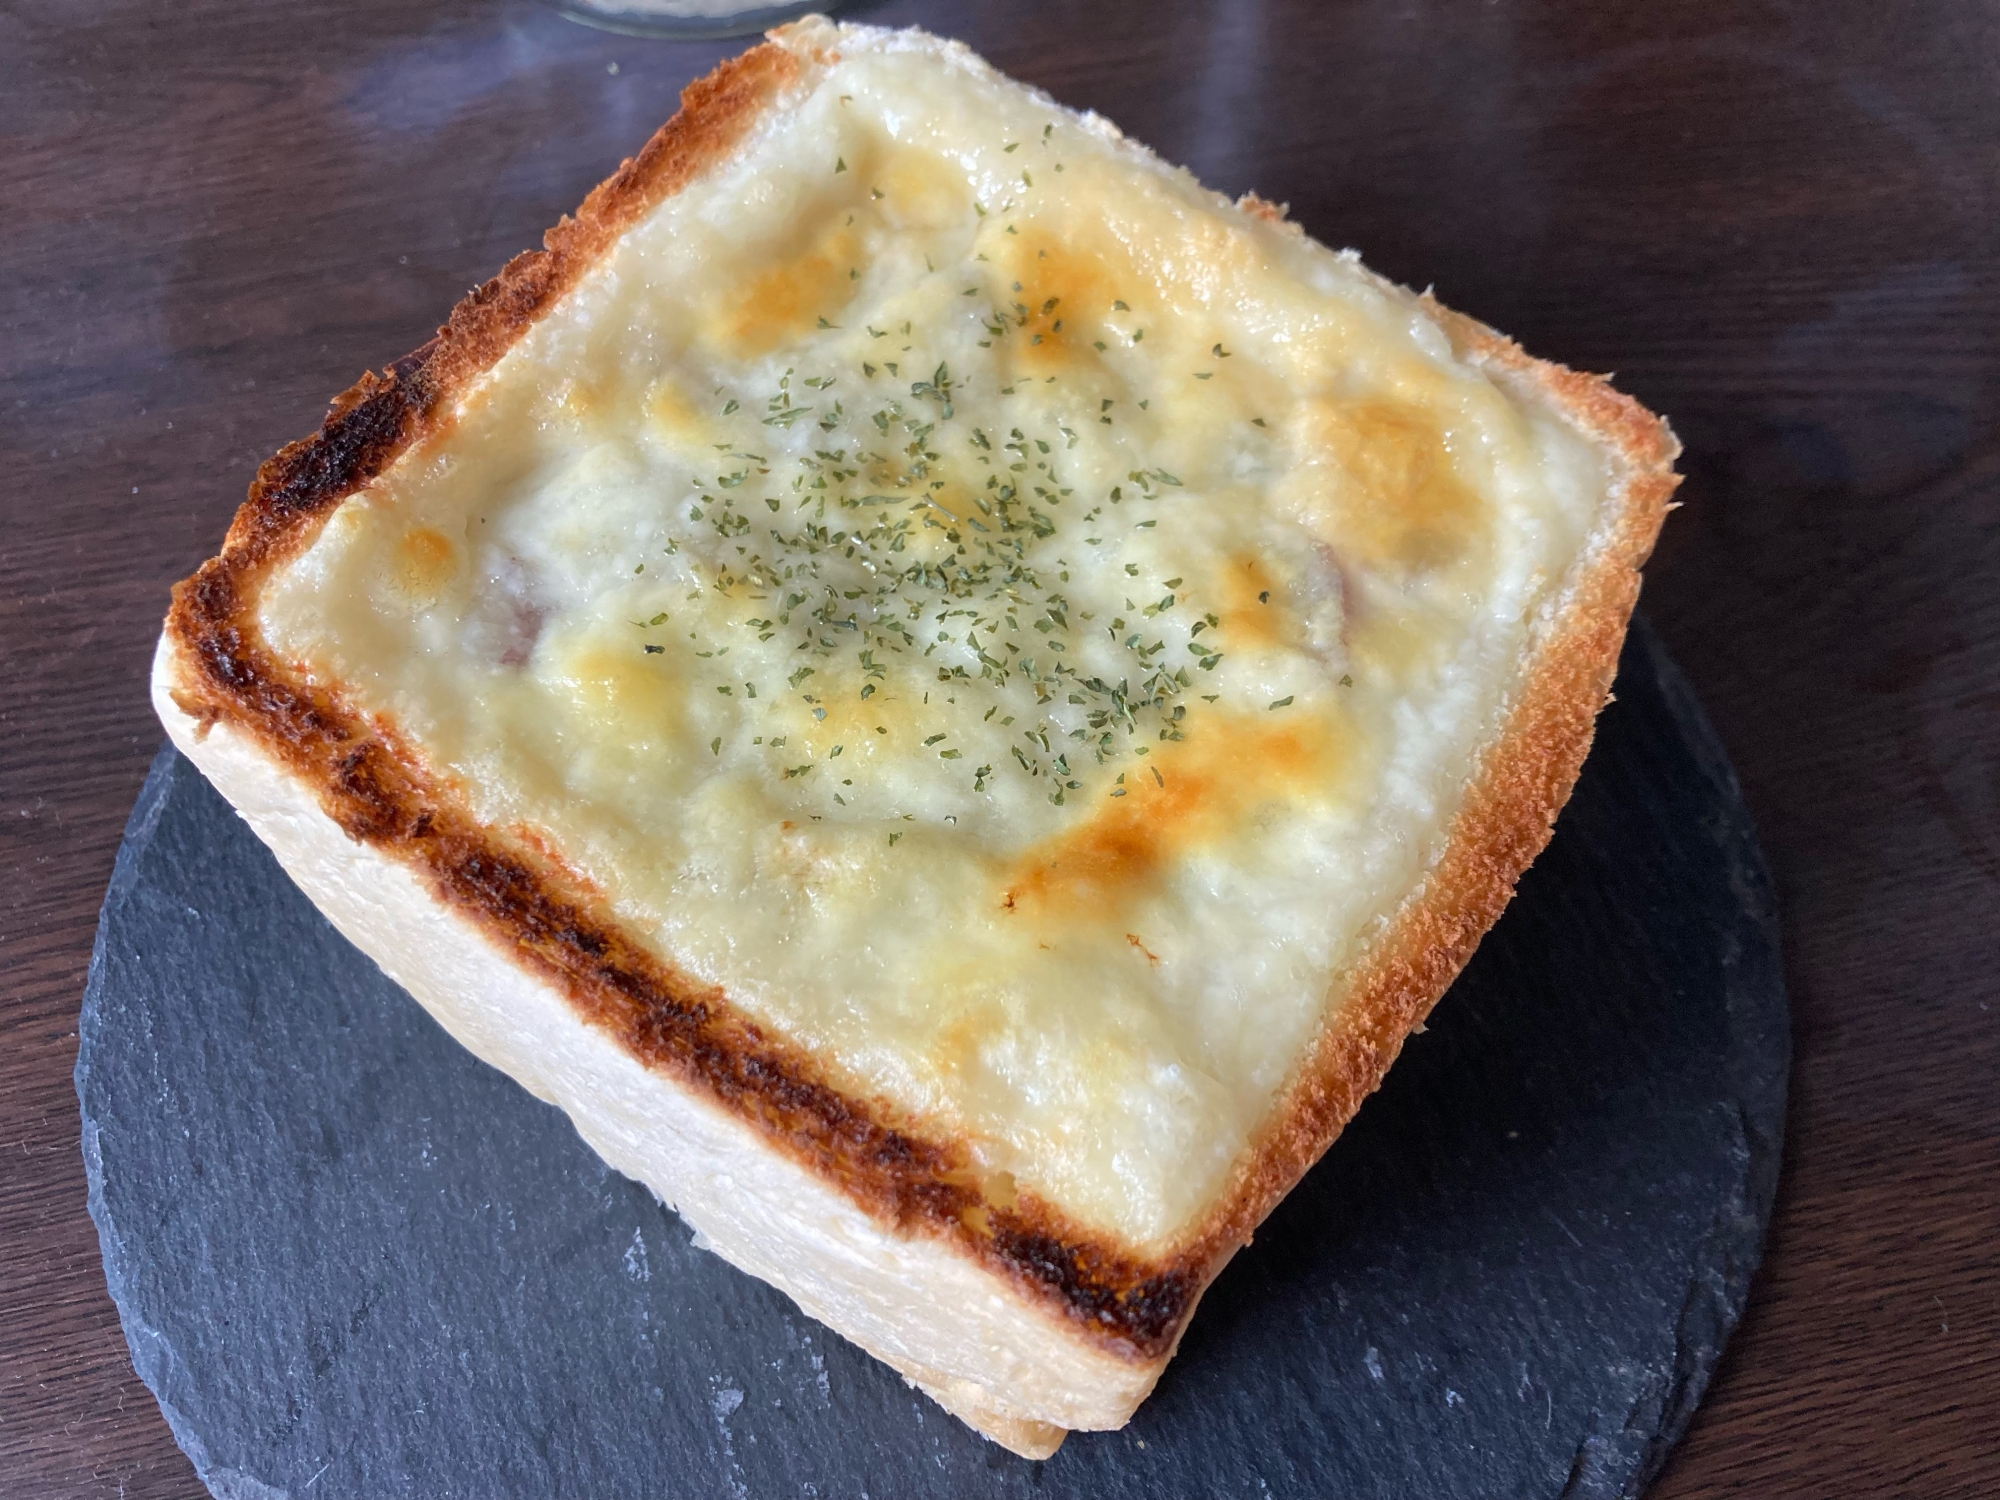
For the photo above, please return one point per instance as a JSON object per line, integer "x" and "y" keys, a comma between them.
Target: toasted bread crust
{"x": 377, "y": 789}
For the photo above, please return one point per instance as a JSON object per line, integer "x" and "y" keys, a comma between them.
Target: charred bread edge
{"x": 378, "y": 792}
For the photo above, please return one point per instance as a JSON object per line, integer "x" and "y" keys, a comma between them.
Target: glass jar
{"x": 685, "y": 20}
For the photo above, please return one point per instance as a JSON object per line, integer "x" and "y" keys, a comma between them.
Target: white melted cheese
{"x": 1013, "y": 620}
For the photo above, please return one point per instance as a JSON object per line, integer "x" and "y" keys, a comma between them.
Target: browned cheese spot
{"x": 425, "y": 559}
{"x": 1254, "y": 607}
{"x": 1390, "y": 497}
{"x": 1208, "y": 786}
{"x": 921, "y": 190}
{"x": 1066, "y": 292}
{"x": 675, "y": 418}
{"x": 633, "y": 701}
{"x": 791, "y": 297}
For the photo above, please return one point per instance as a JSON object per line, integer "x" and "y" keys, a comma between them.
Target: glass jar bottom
{"x": 684, "y": 20}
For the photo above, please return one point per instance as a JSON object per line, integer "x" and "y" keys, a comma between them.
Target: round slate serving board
{"x": 352, "y": 1261}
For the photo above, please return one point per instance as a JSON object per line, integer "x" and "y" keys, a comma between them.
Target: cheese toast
{"x": 951, "y": 695}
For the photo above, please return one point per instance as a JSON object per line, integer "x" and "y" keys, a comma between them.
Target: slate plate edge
{"x": 152, "y": 1355}
{"x": 1760, "y": 1063}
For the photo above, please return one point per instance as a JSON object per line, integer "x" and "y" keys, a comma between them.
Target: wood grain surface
{"x": 1779, "y": 223}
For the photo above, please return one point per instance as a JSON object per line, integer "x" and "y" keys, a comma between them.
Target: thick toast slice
{"x": 950, "y": 695}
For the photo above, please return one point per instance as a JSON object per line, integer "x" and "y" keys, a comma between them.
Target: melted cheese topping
{"x": 1014, "y": 620}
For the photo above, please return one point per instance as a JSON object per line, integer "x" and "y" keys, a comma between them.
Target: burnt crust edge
{"x": 377, "y": 791}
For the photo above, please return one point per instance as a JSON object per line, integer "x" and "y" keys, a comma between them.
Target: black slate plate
{"x": 352, "y": 1261}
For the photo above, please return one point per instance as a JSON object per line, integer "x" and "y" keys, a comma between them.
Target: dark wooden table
{"x": 1779, "y": 223}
